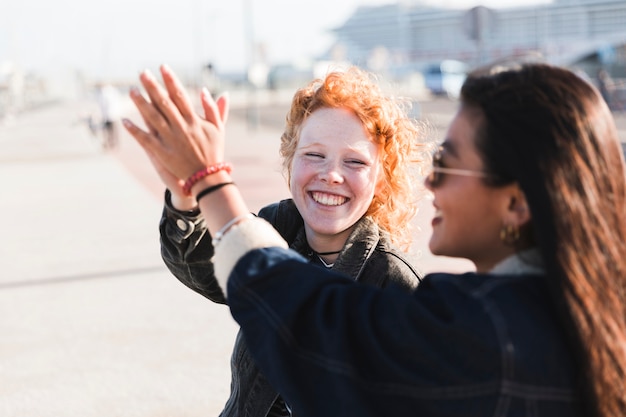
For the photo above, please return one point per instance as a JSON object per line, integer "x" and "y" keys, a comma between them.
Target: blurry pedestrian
{"x": 108, "y": 98}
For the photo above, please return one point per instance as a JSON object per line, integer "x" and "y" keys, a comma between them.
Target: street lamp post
{"x": 252, "y": 107}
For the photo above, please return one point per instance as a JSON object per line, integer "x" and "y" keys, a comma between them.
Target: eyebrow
{"x": 301, "y": 146}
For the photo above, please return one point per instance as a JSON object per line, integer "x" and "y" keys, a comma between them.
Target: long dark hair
{"x": 550, "y": 131}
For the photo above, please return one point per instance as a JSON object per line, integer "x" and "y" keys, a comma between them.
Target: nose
{"x": 331, "y": 173}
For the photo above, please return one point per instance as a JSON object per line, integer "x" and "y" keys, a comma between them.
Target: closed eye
{"x": 355, "y": 162}
{"x": 314, "y": 155}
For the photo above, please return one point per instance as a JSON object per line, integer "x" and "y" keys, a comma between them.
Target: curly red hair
{"x": 386, "y": 120}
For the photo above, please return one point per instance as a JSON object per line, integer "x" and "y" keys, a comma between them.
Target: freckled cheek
{"x": 362, "y": 184}
{"x": 299, "y": 177}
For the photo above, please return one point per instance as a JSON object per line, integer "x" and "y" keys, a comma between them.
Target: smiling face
{"x": 468, "y": 213}
{"x": 333, "y": 176}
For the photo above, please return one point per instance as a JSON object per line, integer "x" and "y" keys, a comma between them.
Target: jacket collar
{"x": 358, "y": 248}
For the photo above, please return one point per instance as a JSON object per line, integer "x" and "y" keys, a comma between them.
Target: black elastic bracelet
{"x": 212, "y": 188}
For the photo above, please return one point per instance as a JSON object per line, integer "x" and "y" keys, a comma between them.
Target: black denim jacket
{"x": 468, "y": 345}
{"x": 368, "y": 257}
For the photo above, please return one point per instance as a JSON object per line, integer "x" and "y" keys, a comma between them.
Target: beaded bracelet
{"x": 205, "y": 172}
{"x": 232, "y": 222}
{"x": 212, "y": 188}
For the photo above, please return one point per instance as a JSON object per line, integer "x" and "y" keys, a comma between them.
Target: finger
{"x": 211, "y": 110}
{"x": 160, "y": 99}
{"x": 152, "y": 117}
{"x": 150, "y": 146}
{"x": 223, "y": 104}
{"x": 177, "y": 93}
{"x": 151, "y": 129}
{"x": 148, "y": 126}
{"x": 145, "y": 140}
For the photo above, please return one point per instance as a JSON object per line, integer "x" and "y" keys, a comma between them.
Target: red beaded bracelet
{"x": 205, "y": 172}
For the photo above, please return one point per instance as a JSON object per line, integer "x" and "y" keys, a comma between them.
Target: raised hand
{"x": 179, "y": 140}
{"x": 182, "y": 143}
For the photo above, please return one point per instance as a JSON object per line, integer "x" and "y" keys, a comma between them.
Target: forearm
{"x": 222, "y": 205}
{"x": 219, "y": 209}
{"x": 187, "y": 251}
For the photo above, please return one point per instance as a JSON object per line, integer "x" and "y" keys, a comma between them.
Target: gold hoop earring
{"x": 509, "y": 234}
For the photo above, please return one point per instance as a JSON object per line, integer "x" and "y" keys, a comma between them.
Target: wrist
{"x": 183, "y": 202}
{"x": 199, "y": 175}
{"x": 211, "y": 180}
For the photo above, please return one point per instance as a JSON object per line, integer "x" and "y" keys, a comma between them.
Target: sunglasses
{"x": 438, "y": 172}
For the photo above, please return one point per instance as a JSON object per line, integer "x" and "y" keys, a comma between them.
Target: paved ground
{"x": 92, "y": 323}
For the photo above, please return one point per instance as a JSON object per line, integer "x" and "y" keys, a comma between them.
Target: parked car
{"x": 446, "y": 77}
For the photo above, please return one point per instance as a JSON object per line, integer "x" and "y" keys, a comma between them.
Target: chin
{"x": 439, "y": 250}
{"x": 433, "y": 247}
{"x": 328, "y": 231}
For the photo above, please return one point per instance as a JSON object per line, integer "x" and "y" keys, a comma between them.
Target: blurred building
{"x": 584, "y": 33}
{"x": 19, "y": 90}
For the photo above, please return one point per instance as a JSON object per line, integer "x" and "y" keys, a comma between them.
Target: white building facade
{"x": 584, "y": 33}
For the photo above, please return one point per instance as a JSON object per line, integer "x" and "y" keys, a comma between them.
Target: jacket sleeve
{"x": 362, "y": 349}
{"x": 187, "y": 250}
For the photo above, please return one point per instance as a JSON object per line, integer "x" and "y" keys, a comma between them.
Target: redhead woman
{"x": 347, "y": 151}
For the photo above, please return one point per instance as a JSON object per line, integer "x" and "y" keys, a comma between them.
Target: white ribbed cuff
{"x": 241, "y": 238}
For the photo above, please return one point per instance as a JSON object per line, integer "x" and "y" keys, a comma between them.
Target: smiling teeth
{"x": 328, "y": 199}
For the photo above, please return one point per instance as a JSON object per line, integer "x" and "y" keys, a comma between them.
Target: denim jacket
{"x": 459, "y": 345}
{"x": 368, "y": 257}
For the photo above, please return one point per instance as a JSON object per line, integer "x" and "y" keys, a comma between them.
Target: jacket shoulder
{"x": 388, "y": 265}
{"x": 396, "y": 267}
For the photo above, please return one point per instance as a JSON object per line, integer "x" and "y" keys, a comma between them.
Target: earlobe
{"x": 516, "y": 216}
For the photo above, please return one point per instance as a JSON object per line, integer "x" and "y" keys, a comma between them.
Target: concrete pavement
{"x": 92, "y": 323}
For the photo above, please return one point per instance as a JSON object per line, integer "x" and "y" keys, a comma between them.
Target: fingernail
{"x": 127, "y": 123}
{"x": 148, "y": 74}
{"x": 134, "y": 91}
{"x": 205, "y": 92}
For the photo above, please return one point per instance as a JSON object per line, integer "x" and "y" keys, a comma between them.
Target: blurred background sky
{"x": 118, "y": 38}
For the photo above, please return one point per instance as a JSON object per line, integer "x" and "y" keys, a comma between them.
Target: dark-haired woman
{"x": 529, "y": 185}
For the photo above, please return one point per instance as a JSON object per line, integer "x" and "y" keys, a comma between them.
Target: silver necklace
{"x": 324, "y": 262}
